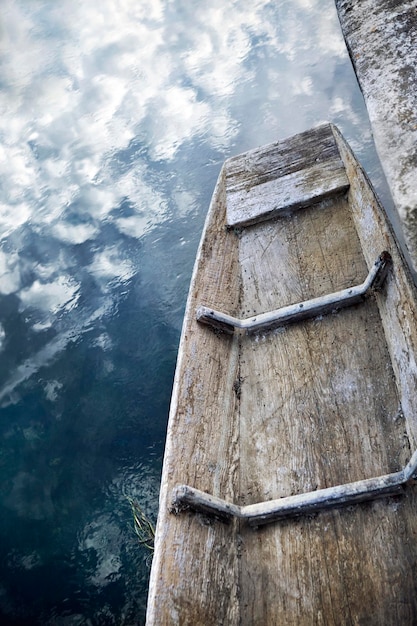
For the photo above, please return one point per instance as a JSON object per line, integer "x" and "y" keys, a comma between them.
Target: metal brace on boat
{"x": 302, "y": 310}
{"x": 185, "y": 497}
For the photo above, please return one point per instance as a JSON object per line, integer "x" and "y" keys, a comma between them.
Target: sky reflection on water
{"x": 116, "y": 117}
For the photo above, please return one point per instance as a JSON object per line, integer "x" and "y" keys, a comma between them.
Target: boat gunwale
{"x": 398, "y": 292}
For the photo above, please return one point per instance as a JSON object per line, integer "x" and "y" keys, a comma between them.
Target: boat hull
{"x": 296, "y": 408}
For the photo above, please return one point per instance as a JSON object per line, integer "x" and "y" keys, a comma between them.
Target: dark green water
{"x": 116, "y": 117}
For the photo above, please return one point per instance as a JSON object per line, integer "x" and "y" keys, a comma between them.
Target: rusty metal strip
{"x": 185, "y": 497}
{"x": 302, "y": 310}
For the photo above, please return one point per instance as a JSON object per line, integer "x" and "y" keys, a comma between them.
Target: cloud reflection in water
{"x": 115, "y": 119}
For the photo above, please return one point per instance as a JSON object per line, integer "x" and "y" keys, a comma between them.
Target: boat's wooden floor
{"x": 291, "y": 410}
{"x": 318, "y": 407}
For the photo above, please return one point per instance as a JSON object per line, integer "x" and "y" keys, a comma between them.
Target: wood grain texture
{"x": 318, "y": 407}
{"x": 381, "y": 39}
{"x": 194, "y": 558}
{"x": 283, "y": 176}
{"x": 318, "y": 403}
{"x": 288, "y": 193}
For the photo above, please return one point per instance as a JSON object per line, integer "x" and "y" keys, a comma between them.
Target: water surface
{"x": 116, "y": 118}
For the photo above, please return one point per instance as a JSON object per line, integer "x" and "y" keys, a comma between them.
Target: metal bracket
{"x": 185, "y": 497}
{"x": 302, "y": 310}
{"x": 341, "y": 495}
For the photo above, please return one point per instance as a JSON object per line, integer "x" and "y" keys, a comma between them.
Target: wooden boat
{"x": 287, "y": 493}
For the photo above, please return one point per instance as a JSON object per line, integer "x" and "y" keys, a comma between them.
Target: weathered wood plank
{"x": 299, "y": 311}
{"x": 194, "y": 578}
{"x": 296, "y": 505}
{"x": 398, "y": 302}
{"x": 287, "y": 193}
{"x": 381, "y": 39}
{"x": 280, "y": 158}
{"x": 282, "y": 176}
{"x": 318, "y": 407}
{"x": 320, "y": 403}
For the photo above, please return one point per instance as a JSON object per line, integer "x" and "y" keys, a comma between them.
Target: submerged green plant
{"x": 142, "y": 525}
